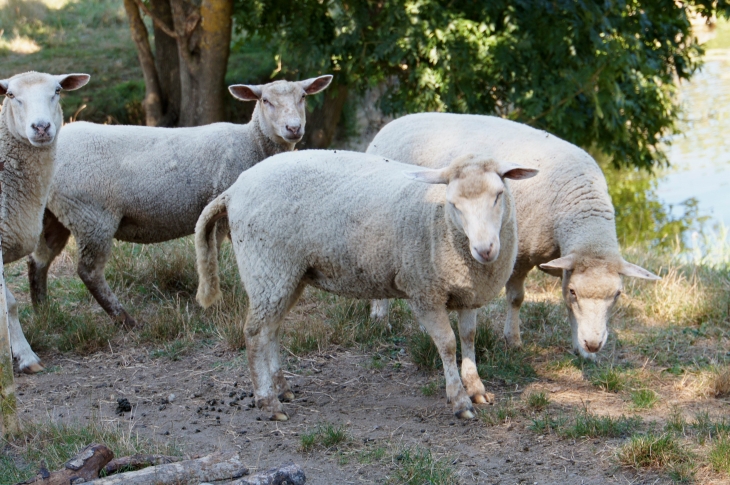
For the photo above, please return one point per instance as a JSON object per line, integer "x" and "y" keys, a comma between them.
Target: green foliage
{"x": 609, "y": 379}
{"x": 644, "y": 398}
{"x": 720, "y": 455}
{"x": 652, "y": 451}
{"x": 597, "y": 73}
{"x": 538, "y": 400}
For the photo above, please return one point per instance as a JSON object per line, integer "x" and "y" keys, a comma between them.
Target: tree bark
{"x": 153, "y": 94}
{"x": 290, "y": 474}
{"x": 81, "y": 468}
{"x": 135, "y": 462}
{"x": 167, "y": 63}
{"x": 208, "y": 468}
{"x": 204, "y": 37}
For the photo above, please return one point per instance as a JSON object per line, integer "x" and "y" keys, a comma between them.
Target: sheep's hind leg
{"x": 28, "y": 361}
{"x": 263, "y": 326}
{"x": 469, "y": 374}
{"x": 515, "y": 290}
{"x": 92, "y": 260}
{"x": 436, "y": 323}
{"x": 52, "y": 241}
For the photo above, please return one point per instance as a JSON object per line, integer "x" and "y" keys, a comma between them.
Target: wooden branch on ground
{"x": 135, "y": 462}
{"x": 213, "y": 467}
{"x": 289, "y": 474}
{"x": 81, "y": 468}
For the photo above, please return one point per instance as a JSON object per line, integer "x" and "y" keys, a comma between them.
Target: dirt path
{"x": 381, "y": 409}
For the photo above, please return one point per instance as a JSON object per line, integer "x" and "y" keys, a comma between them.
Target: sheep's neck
{"x": 265, "y": 145}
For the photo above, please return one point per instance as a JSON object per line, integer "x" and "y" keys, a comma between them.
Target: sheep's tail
{"x": 206, "y": 251}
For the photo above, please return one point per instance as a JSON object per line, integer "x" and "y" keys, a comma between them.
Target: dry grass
{"x": 721, "y": 384}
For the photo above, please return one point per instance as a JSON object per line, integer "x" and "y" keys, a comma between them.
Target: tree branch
{"x": 158, "y": 21}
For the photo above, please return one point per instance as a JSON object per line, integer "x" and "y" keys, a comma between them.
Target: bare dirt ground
{"x": 379, "y": 407}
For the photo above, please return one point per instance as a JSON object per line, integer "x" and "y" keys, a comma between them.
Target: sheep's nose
{"x": 294, "y": 129}
{"x": 41, "y": 128}
{"x": 486, "y": 253}
{"x": 592, "y": 347}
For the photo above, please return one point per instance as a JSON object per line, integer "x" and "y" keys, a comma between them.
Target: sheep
{"x": 354, "y": 225}
{"x": 148, "y": 185}
{"x": 30, "y": 120}
{"x": 565, "y": 216}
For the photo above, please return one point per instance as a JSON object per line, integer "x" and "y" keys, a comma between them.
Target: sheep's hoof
{"x": 286, "y": 396}
{"x": 33, "y": 368}
{"x": 513, "y": 342}
{"x": 279, "y": 417}
{"x": 486, "y": 398}
{"x": 465, "y": 414}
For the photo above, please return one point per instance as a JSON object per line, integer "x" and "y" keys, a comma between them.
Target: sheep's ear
{"x": 515, "y": 172}
{"x": 628, "y": 269}
{"x": 316, "y": 84}
{"x": 71, "y": 82}
{"x": 3, "y": 87}
{"x": 429, "y": 176}
{"x": 245, "y": 92}
{"x": 564, "y": 263}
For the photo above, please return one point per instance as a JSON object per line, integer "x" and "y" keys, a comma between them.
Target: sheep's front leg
{"x": 28, "y": 361}
{"x": 469, "y": 375}
{"x": 52, "y": 241}
{"x": 281, "y": 386}
{"x": 515, "y": 290}
{"x": 436, "y": 323}
{"x": 379, "y": 309}
{"x": 92, "y": 260}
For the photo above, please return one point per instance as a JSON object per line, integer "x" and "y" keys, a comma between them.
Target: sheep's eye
{"x": 618, "y": 293}
{"x": 58, "y": 91}
{"x": 572, "y": 293}
{"x": 304, "y": 96}
{"x": 9, "y": 95}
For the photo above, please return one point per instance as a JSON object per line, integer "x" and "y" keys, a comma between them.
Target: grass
{"x": 657, "y": 451}
{"x": 719, "y": 455}
{"x": 589, "y": 425}
{"x": 418, "y": 465}
{"x": 608, "y": 379}
{"x": 644, "y": 398}
{"x": 500, "y": 413}
{"x": 538, "y": 401}
{"x": 323, "y": 436}
{"x": 52, "y": 444}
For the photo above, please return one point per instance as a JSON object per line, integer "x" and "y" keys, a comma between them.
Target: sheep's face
{"x": 475, "y": 199}
{"x": 591, "y": 287}
{"x": 32, "y": 103}
{"x": 281, "y": 106}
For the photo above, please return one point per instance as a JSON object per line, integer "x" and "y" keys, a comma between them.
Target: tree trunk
{"x": 8, "y": 403}
{"x": 153, "y": 96}
{"x": 167, "y": 63}
{"x": 204, "y": 37}
{"x": 185, "y": 78}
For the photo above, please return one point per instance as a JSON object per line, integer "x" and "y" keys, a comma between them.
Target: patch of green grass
{"x": 719, "y": 455}
{"x": 644, "y": 398}
{"x": 52, "y": 444}
{"x": 499, "y": 413}
{"x": 423, "y": 351}
{"x": 538, "y": 401}
{"x": 430, "y": 389}
{"x": 173, "y": 350}
{"x": 371, "y": 455}
{"x": 324, "y": 435}
{"x": 676, "y": 423}
{"x": 660, "y": 452}
{"x": 589, "y": 425}
{"x": 546, "y": 423}
{"x": 609, "y": 379}
{"x": 418, "y": 466}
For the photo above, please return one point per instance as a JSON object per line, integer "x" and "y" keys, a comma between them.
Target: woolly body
{"x": 354, "y": 225}
{"x": 566, "y": 210}
{"x": 149, "y": 185}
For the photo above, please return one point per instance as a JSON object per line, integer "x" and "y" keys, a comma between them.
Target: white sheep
{"x": 30, "y": 120}
{"x": 149, "y": 185}
{"x": 353, "y": 224}
{"x": 565, "y": 216}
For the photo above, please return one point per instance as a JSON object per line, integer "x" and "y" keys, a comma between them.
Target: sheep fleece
{"x": 354, "y": 225}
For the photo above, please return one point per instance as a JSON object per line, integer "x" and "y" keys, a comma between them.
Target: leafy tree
{"x": 599, "y": 73}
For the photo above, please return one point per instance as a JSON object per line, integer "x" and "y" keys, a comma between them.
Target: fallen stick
{"x": 135, "y": 462}
{"x": 82, "y": 467}
{"x": 289, "y": 474}
{"x": 213, "y": 467}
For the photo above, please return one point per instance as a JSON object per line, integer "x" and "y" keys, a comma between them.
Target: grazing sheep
{"x": 565, "y": 216}
{"x": 30, "y": 120}
{"x": 354, "y": 225}
{"x": 149, "y": 185}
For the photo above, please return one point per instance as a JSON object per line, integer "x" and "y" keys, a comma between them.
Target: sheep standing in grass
{"x": 30, "y": 120}
{"x": 149, "y": 185}
{"x": 565, "y": 216}
{"x": 354, "y": 225}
